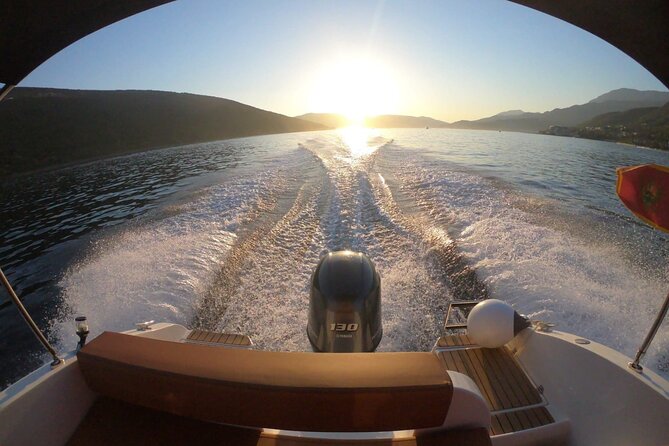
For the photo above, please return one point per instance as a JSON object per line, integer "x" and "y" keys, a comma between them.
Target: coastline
{"x": 84, "y": 161}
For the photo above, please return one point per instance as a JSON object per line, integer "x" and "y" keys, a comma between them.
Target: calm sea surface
{"x": 225, "y": 235}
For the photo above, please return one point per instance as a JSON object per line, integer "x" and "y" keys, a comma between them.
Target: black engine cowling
{"x": 345, "y": 304}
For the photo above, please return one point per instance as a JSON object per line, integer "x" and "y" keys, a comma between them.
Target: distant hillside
{"x": 648, "y": 127}
{"x": 331, "y": 120}
{"x": 614, "y": 101}
{"x": 401, "y": 121}
{"x": 381, "y": 121}
{"x": 636, "y": 116}
{"x": 46, "y": 127}
{"x": 632, "y": 95}
{"x": 509, "y": 113}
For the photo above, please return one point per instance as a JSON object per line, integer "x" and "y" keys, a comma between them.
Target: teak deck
{"x": 504, "y": 385}
{"x": 519, "y": 420}
{"x": 212, "y": 337}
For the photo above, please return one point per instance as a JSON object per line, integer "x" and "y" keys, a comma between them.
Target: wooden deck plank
{"x": 543, "y": 415}
{"x": 502, "y": 382}
{"x": 497, "y": 379}
{"x": 196, "y": 334}
{"x": 216, "y": 339}
{"x": 470, "y": 369}
{"x": 533, "y": 418}
{"x": 516, "y": 380}
{"x": 521, "y": 380}
{"x": 501, "y": 374}
{"x": 213, "y": 337}
{"x": 454, "y": 361}
{"x": 489, "y": 379}
{"x": 536, "y": 417}
{"x": 484, "y": 384}
{"x": 495, "y": 426}
{"x": 448, "y": 360}
{"x": 504, "y": 423}
{"x": 459, "y": 364}
{"x": 455, "y": 340}
{"x": 516, "y": 424}
{"x": 524, "y": 419}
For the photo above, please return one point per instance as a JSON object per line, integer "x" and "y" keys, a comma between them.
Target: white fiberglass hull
{"x": 591, "y": 393}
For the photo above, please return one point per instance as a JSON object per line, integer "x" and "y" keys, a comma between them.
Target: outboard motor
{"x": 345, "y": 306}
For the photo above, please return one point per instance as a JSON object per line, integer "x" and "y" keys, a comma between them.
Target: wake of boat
{"x": 238, "y": 256}
{"x": 549, "y": 264}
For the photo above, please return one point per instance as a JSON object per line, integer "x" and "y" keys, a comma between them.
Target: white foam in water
{"x": 361, "y": 217}
{"x": 156, "y": 271}
{"x": 585, "y": 286}
{"x": 159, "y": 269}
{"x": 340, "y": 207}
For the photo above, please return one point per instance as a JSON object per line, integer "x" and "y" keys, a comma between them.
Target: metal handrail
{"x": 5, "y": 91}
{"x": 57, "y": 360}
{"x": 634, "y": 365}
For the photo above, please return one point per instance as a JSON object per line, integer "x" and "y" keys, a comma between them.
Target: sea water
{"x": 225, "y": 235}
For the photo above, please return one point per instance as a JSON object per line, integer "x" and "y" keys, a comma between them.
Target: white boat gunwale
{"x": 528, "y": 348}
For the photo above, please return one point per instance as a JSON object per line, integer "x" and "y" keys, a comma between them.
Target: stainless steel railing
{"x": 634, "y": 365}
{"x": 57, "y": 360}
{"x": 12, "y": 294}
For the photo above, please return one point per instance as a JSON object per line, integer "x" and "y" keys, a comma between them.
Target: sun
{"x": 355, "y": 87}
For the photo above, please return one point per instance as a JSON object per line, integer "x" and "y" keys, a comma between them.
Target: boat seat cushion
{"x": 327, "y": 392}
{"x": 112, "y": 423}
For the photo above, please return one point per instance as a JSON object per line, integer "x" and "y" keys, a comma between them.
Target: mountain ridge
{"x": 630, "y": 94}
{"x": 532, "y": 122}
{"x": 46, "y": 127}
{"x": 646, "y": 127}
{"x": 380, "y": 121}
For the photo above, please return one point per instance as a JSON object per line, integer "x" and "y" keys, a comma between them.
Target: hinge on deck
{"x": 543, "y": 326}
{"x": 143, "y": 326}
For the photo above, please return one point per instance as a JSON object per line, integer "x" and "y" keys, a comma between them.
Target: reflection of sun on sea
{"x": 356, "y": 139}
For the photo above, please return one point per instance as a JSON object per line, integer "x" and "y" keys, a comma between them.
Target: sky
{"x": 449, "y": 59}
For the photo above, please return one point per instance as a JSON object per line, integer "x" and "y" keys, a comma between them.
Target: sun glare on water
{"x": 355, "y": 87}
{"x": 358, "y": 140}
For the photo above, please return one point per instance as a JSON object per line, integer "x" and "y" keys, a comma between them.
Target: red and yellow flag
{"x": 645, "y": 191}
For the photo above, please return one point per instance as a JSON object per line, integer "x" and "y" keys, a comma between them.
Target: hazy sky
{"x": 446, "y": 59}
